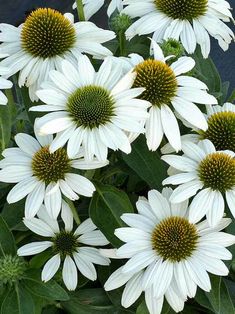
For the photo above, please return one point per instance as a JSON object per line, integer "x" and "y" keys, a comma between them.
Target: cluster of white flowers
{"x": 87, "y": 110}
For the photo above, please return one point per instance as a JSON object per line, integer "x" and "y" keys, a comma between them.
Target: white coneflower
{"x": 167, "y": 254}
{"x": 190, "y": 21}
{"x": 43, "y": 176}
{"x": 203, "y": 168}
{"x": 73, "y": 249}
{"x": 95, "y": 110}
{"x": 91, "y": 7}
{"x": 166, "y": 88}
{"x": 45, "y": 39}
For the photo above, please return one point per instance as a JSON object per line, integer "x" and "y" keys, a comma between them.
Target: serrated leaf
{"x": 106, "y": 207}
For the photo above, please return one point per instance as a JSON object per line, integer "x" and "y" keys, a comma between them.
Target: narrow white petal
{"x": 33, "y": 248}
{"x": 85, "y": 267}
{"x": 50, "y": 268}
{"x": 69, "y": 273}
{"x": 39, "y": 227}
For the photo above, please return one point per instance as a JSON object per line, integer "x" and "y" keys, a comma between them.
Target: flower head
{"x": 168, "y": 255}
{"x": 45, "y": 39}
{"x": 43, "y": 175}
{"x": 221, "y": 127}
{"x": 95, "y": 110}
{"x": 73, "y": 249}
{"x": 166, "y": 88}
{"x": 203, "y": 168}
{"x": 190, "y": 21}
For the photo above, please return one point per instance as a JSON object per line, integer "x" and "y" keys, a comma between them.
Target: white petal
{"x": 21, "y": 189}
{"x": 216, "y": 209}
{"x": 85, "y": 226}
{"x": 159, "y": 204}
{"x": 53, "y": 199}
{"x": 170, "y": 127}
{"x": 139, "y": 261}
{"x": 33, "y": 248}
{"x": 185, "y": 191}
{"x": 69, "y": 273}
{"x": 93, "y": 238}
{"x": 85, "y": 267}
{"x": 50, "y": 268}
{"x": 132, "y": 290}
{"x": 67, "y": 216}
{"x": 183, "y": 65}
{"x": 80, "y": 184}
{"x": 34, "y": 200}
{"x": 27, "y": 143}
{"x": 39, "y": 227}
{"x": 201, "y": 203}
{"x": 117, "y": 279}
{"x": 230, "y": 197}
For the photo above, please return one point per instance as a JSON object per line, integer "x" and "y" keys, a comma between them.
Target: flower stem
{"x": 80, "y": 10}
{"x": 73, "y": 210}
{"x": 122, "y": 43}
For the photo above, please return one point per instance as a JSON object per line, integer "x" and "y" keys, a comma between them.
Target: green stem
{"x": 80, "y": 10}
{"x": 74, "y": 210}
{"x": 122, "y": 43}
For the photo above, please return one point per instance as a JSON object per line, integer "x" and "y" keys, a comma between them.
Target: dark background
{"x": 14, "y": 12}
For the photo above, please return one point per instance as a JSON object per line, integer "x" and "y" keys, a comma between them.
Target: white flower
{"x": 203, "y": 168}
{"x": 4, "y": 84}
{"x": 167, "y": 254}
{"x": 190, "y": 21}
{"x": 92, "y": 109}
{"x": 165, "y": 86}
{"x": 67, "y": 246}
{"x": 41, "y": 175}
{"x": 45, "y": 39}
{"x": 91, "y": 7}
{"x": 221, "y": 129}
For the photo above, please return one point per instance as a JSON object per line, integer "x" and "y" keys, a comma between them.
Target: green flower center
{"x": 65, "y": 243}
{"x": 91, "y": 106}
{"x": 159, "y": 82}
{"x": 47, "y": 33}
{"x": 11, "y": 268}
{"x": 182, "y": 9}
{"x": 221, "y": 130}
{"x": 217, "y": 171}
{"x": 50, "y": 167}
{"x": 175, "y": 239}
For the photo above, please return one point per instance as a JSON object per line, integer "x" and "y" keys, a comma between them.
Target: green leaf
{"x": 203, "y": 300}
{"x": 49, "y": 290}
{"x": 89, "y": 301}
{"x": 7, "y": 242}
{"x": 218, "y": 299}
{"x": 207, "y": 72}
{"x": 13, "y": 215}
{"x": 146, "y": 164}
{"x": 106, "y": 207}
{"x": 18, "y": 301}
{"x": 5, "y": 127}
{"x": 142, "y": 308}
{"x": 232, "y": 96}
